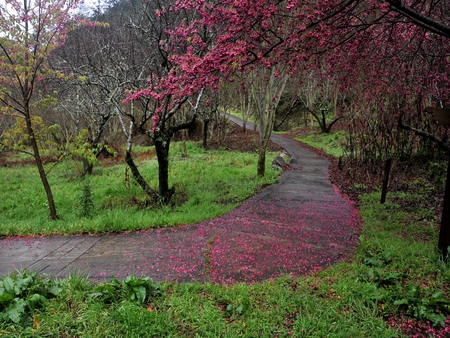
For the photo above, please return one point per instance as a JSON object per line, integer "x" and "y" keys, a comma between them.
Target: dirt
{"x": 239, "y": 140}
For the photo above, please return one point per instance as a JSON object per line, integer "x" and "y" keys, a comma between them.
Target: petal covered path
{"x": 298, "y": 225}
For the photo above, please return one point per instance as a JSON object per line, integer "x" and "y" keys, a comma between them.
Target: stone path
{"x": 298, "y": 225}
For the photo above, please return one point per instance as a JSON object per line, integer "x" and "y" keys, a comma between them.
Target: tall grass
{"x": 208, "y": 184}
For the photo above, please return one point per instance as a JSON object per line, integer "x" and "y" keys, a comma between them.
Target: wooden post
{"x": 387, "y": 169}
{"x": 442, "y": 117}
{"x": 444, "y": 234}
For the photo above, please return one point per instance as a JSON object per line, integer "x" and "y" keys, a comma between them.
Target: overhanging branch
{"x": 420, "y": 19}
{"x": 444, "y": 146}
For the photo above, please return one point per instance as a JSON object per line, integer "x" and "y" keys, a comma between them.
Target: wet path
{"x": 300, "y": 224}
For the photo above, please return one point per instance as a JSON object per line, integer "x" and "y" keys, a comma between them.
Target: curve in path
{"x": 298, "y": 225}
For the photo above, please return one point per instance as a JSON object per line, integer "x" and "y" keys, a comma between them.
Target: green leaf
{"x": 6, "y": 297}
{"x": 54, "y": 290}
{"x": 140, "y": 293}
{"x": 8, "y": 284}
{"x": 36, "y": 301}
{"x": 15, "y": 311}
{"x": 438, "y": 295}
{"x": 403, "y": 301}
{"x": 21, "y": 284}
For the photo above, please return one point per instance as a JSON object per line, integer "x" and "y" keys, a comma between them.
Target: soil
{"x": 239, "y": 140}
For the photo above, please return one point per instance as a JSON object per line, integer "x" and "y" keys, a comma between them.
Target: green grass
{"x": 208, "y": 184}
{"x": 331, "y": 143}
{"x": 238, "y": 113}
{"x": 356, "y": 298}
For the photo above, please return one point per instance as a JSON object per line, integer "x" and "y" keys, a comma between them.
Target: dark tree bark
{"x": 261, "y": 168}
{"x": 205, "y": 133}
{"x": 137, "y": 176}
{"x": 322, "y": 121}
{"x": 162, "y": 147}
{"x": 40, "y": 166}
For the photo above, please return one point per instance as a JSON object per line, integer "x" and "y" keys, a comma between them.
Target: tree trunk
{"x": 130, "y": 162}
{"x": 444, "y": 233}
{"x": 184, "y": 153}
{"x": 134, "y": 169}
{"x": 87, "y": 167}
{"x": 263, "y": 143}
{"x": 266, "y": 96}
{"x": 137, "y": 175}
{"x": 261, "y": 169}
{"x": 162, "y": 154}
{"x": 40, "y": 166}
{"x": 205, "y": 133}
{"x": 265, "y": 130}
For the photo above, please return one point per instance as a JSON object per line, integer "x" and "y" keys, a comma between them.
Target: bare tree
{"x": 320, "y": 98}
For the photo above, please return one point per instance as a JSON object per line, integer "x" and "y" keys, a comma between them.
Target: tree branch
{"x": 444, "y": 146}
{"x": 420, "y": 19}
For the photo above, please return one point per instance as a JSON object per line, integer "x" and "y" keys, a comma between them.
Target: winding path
{"x": 298, "y": 225}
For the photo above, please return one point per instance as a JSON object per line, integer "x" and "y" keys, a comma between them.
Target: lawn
{"x": 207, "y": 184}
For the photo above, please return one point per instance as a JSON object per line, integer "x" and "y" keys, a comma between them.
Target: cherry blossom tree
{"x": 168, "y": 89}
{"x": 389, "y": 56}
{"x": 291, "y": 31}
{"x": 29, "y": 32}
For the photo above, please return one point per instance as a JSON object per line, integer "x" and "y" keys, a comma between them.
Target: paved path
{"x": 295, "y": 226}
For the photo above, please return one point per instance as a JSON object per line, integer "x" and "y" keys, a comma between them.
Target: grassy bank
{"x": 330, "y": 142}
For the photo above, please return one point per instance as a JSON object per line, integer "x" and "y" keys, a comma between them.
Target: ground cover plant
{"x": 394, "y": 285}
{"x": 208, "y": 183}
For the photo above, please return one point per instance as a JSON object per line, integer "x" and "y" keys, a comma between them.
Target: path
{"x": 295, "y": 226}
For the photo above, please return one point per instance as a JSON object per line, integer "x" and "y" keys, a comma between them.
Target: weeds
{"x": 21, "y": 295}
{"x": 393, "y": 292}
{"x": 86, "y": 200}
{"x": 136, "y": 290}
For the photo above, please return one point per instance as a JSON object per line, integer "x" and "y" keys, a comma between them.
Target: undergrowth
{"x": 331, "y": 143}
